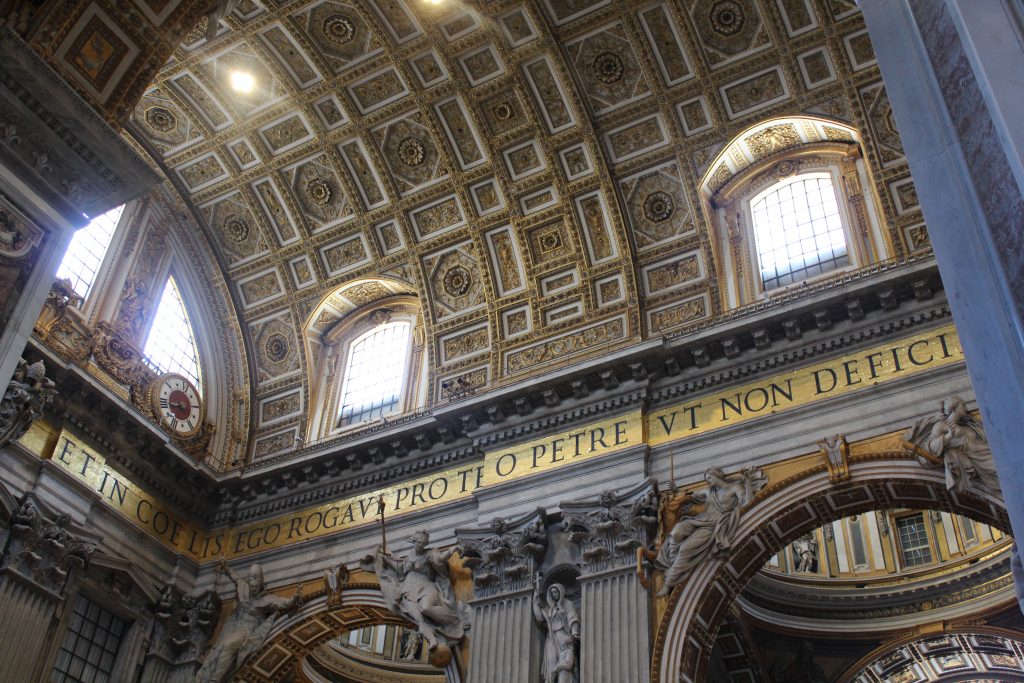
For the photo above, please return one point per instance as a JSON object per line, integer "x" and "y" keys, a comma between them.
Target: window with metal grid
{"x": 914, "y": 547}
{"x": 85, "y": 253}
{"x": 798, "y": 230}
{"x": 171, "y": 345}
{"x": 375, "y": 373}
{"x": 90, "y": 645}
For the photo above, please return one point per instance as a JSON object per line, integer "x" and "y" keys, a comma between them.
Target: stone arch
{"x": 782, "y": 512}
{"x": 318, "y": 621}
{"x": 984, "y": 645}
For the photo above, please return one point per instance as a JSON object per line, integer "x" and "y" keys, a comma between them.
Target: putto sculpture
{"x": 247, "y": 627}
{"x": 418, "y": 587}
{"x": 22, "y": 404}
{"x": 954, "y": 439}
{"x": 559, "y": 617}
{"x": 711, "y": 531}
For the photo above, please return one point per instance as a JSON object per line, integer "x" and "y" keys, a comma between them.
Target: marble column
{"x": 615, "y": 638}
{"x": 42, "y": 564}
{"x": 505, "y": 645}
{"x": 952, "y": 75}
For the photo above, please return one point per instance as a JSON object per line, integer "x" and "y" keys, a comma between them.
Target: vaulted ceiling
{"x": 529, "y": 169}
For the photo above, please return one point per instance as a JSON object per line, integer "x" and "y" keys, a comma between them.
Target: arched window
{"x": 171, "y": 345}
{"x": 85, "y": 253}
{"x": 375, "y": 373}
{"x": 798, "y": 230}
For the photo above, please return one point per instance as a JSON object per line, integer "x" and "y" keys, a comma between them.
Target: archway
{"x": 781, "y": 513}
{"x": 319, "y": 621}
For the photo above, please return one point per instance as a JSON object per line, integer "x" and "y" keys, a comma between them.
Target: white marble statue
{"x": 806, "y": 550}
{"x": 695, "y": 537}
{"x": 955, "y": 439}
{"x": 419, "y": 588}
{"x": 246, "y": 628}
{"x": 561, "y": 662}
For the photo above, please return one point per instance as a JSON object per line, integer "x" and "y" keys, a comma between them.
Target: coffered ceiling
{"x": 530, "y": 170}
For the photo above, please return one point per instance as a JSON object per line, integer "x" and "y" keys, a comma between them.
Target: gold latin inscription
{"x": 501, "y": 465}
{"x": 818, "y": 382}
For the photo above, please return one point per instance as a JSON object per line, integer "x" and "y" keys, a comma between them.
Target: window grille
{"x": 85, "y": 253}
{"x": 90, "y": 645}
{"x": 914, "y": 547}
{"x": 798, "y": 230}
{"x": 375, "y": 373}
{"x": 171, "y": 345}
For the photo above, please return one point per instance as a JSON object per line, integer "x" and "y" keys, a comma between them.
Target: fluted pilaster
{"x": 615, "y": 629}
{"x": 505, "y": 647}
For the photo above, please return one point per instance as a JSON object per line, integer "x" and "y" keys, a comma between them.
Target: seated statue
{"x": 419, "y": 588}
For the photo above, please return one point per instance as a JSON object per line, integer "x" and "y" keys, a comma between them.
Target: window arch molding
{"x": 773, "y": 153}
{"x": 330, "y": 340}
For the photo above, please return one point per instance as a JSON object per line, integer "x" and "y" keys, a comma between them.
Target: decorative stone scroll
{"x": 610, "y": 528}
{"x": 23, "y": 402}
{"x": 954, "y": 439}
{"x": 505, "y": 555}
{"x": 45, "y": 550}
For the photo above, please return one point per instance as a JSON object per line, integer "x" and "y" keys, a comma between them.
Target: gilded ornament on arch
{"x": 276, "y": 347}
{"x": 411, "y": 151}
{"x": 236, "y": 228}
{"x": 772, "y": 139}
{"x": 319, "y": 191}
{"x": 338, "y": 29}
{"x": 608, "y": 67}
{"x": 785, "y": 168}
{"x": 161, "y": 119}
{"x": 659, "y": 206}
{"x": 457, "y": 280}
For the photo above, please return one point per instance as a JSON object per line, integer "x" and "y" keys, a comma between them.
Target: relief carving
{"x": 45, "y": 551}
{"x": 610, "y": 529}
{"x": 505, "y": 555}
{"x": 184, "y": 623}
{"x": 28, "y": 392}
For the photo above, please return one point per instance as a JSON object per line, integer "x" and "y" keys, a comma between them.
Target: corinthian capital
{"x": 504, "y": 555}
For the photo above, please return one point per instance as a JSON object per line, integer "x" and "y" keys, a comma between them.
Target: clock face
{"x": 177, "y": 405}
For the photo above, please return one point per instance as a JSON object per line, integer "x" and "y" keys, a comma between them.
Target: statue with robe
{"x": 418, "y": 587}
{"x": 954, "y": 439}
{"x": 710, "y": 532}
{"x": 559, "y": 617}
{"x": 247, "y": 627}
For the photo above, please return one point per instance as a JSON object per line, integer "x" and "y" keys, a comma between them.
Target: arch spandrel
{"x": 802, "y": 493}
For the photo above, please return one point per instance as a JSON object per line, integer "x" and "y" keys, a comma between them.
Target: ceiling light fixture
{"x": 243, "y": 81}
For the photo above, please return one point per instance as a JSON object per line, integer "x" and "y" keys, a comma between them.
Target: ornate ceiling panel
{"x": 529, "y": 169}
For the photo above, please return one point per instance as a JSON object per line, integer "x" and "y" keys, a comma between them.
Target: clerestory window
{"x": 798, "y": 230}
{"x": 85, "y": 253}
{"x": 375, "y": 373}
{"x": 171, "y": 345}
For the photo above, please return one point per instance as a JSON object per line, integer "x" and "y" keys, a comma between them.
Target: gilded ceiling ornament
{"x": 785, "y": 168}
{"x": 457, "y": 280}
{"x": 161, "y": 119}
{"x": 609, "y": 67}
{"x": 319, "y": 190}
{"x": 236, "y": 227}
{"x": 727, "y": 17}
{"x": 339, "y": 29}
{"x": 276, "y": 347}
{"x": 659, "y": 206}
{"x": 550, "y": 241}
{"x": 503, "y": 111}
{"x": 411, "y": 151}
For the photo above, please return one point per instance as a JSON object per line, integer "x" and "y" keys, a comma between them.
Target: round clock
{"x": 177, "y": 405}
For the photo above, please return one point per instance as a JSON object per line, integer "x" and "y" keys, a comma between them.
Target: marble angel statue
{"x": 418, "y": 587}
{"x": 954, "y": 438}
{"x": 247, "y": 627}
{"x": 559, "y": 617}
{"x": 710, "y": 532}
